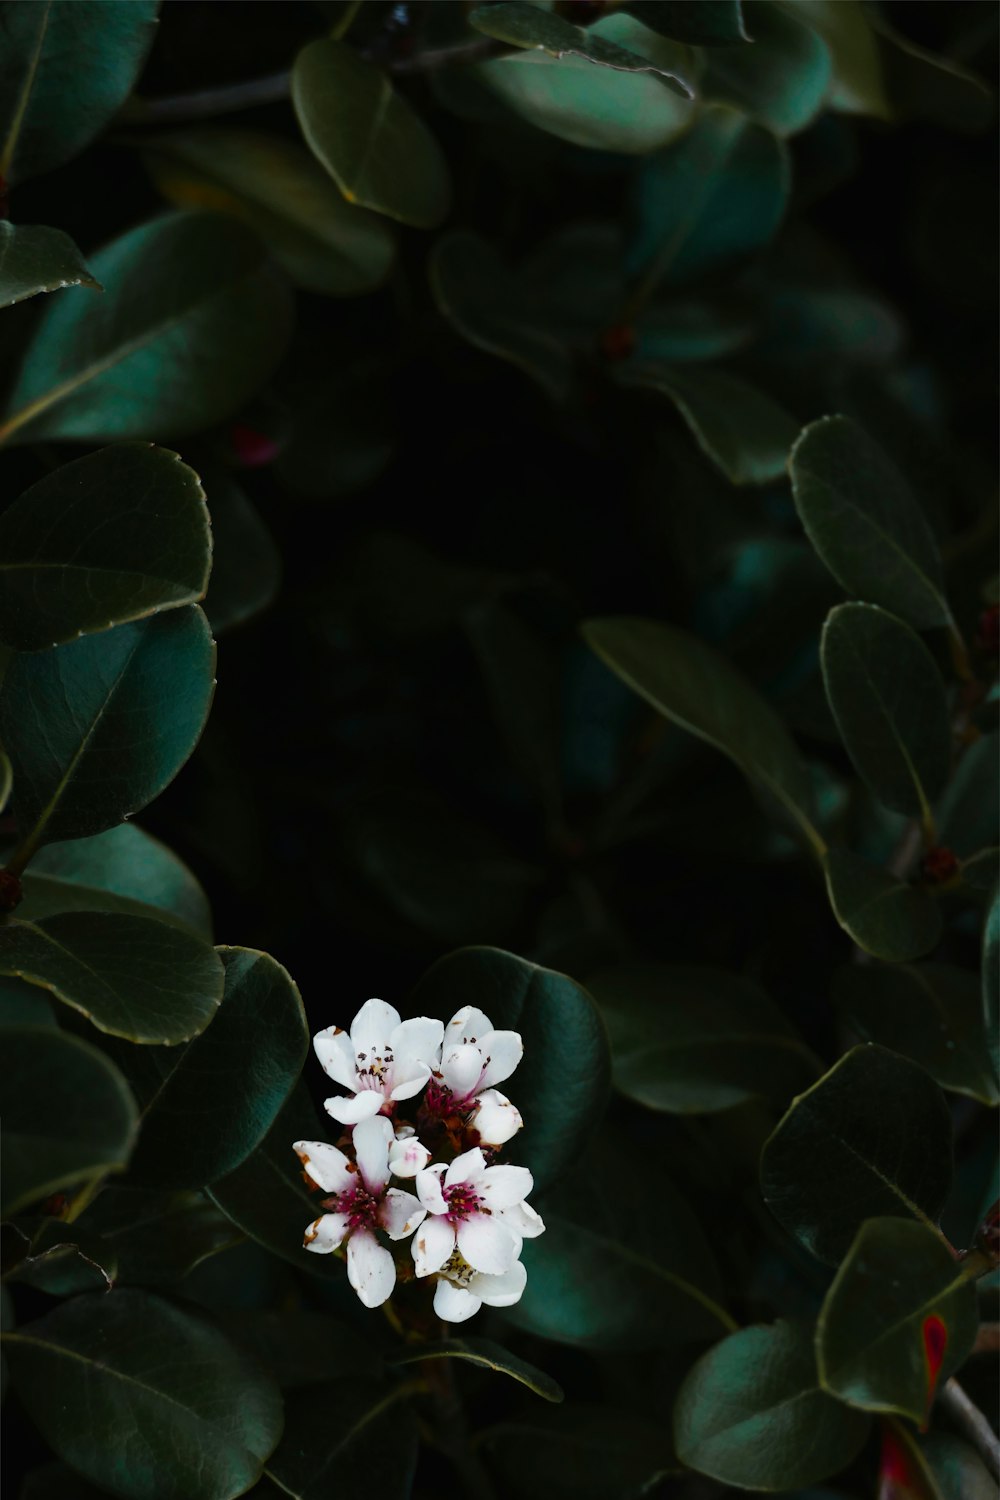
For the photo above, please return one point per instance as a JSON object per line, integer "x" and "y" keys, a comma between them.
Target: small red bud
{"x": 618, "y": 342}
{"x": 253, "y": 449}
{"x": 10, "y": 891}
{"x": 988, "y": 631}
{"x": 939, "y": 866}
{"x": 56, "y": 1206}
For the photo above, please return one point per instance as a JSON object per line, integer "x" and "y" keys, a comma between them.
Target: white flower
{"x": 461, "y": 1291}
{"x": 361, "y": 1203}
{"x": 384, "y": 1059}
{"x": 407, "y": 1155}
{"x": 480, "y": 1209}
{"x": 474, "y": 1057}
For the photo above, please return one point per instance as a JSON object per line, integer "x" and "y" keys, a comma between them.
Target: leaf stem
{"x": 973, "y": 1425}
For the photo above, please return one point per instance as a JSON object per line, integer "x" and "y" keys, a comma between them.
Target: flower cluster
{"x": 467, "y": 1215}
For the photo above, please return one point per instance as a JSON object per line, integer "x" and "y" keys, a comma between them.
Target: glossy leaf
{"x": 931, "y": 1013}
{"x": 65, "y": 68}
{"x": 324, "y": 243}
{"x": 34, "y": 258}
{"x": 751, "y": 1413}
{"x": 246, "y": 564}
{"x": 884, "y": 916}
{"x": 192, "y": 321}
{"x": 586, "y": 1449}
{"x": 68, "y": 1114}
{"x": 704, "y": 23}
{"x": 488, "y": 1356}
{"x": 696, "y": 687}
{"x": 872, "y": 1137}
{"x": 871, "y": 1339}
{"x": 783, "y": 79}
{"x": 339, "y": 1434}
{"x": 375, "y": 147}
{"x": 94, "y": 1367}
{"x": 522, "y": 25}
{"x": 122, "y": 712}
{"x": 131, "y": 976}
{"x": 865, "y": 523}
{"x": 109, "y": 538}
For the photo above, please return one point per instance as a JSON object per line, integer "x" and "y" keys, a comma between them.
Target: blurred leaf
{"x": 65, "y": 68}
{"x": 246, "y": 564}
{"x": 341, "y": 432}
{"x": 883, "y": 916}
{"x": 858, "y": 85}
{"x": 523, "y": 25}
{"x": 109, "y": 538}
{"x": 783, "y": 79}
{"x": 969, "y": 809}
{"x": 34, "y": 258}
{"x": 338, "y": 1435}
{"x": 922, "y": 86}
{"x": 57, "y": 1481}
{"x": 690, "y": 1040}
{"x": 702, "y": 22}
{"x": 586, "y": 1451}
{"x": 981, "y": 871}
{"x": 192, "y": 321}
{"x": 95, "y": 1367}
{"x": 122, "y": 712}
{"x": 23, "y": 1004}
{"x": 301, "y": 1346}
{"x": 991, "y": 979}
{"x": 873, "y": 1345}
{"x": 488, "y": 1356}
{"x": 958, "y": 1470}
{"x": 872, "y": 1137}
{"x": 751, "y": 1413}
{"x": 378, "y": 151}
{"x": 282, "y": 192}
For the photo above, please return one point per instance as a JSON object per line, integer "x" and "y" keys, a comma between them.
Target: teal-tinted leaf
{"x": 24, "y": 1004}
{"x": 122, "y": 712}
{"x": 375, "y": 147}
{"x": 886, "y": 918}
{"x": 888, "y": 698}
{"x": 65, "y": 68}
{"x": 872, "y": 1137}
{"x": 783, "y": 79}
{"x": 246, "y": 564}
{"x": 871, "y": 1339}
{"x": 522, "y": 25}
{"x": 689, "y": 1040}
{"x": 68, "y": 1114}
{"x": 343, "y": 1436}
{"x": 697, "y": 688}
{"x": 865, "y": 523}
{"x": 931, "y": 1013}
{"x": 581, "y": 1449}
{"x": 703, "y": 23}
{"x": 130, "y": 1362}
{"x": 131, "y": 976}
{"x": 562, "y": 1080}
{"x": 101, "y": 541}
{"x": 751, "y": 1413}
{"x": 858, "y": 86}
{"x": 489, "y": 1356}
{"x": 991, "y": 979}
{"x": 325, "y": 244}
{"x": 192, "y": 321}
{"x": 34, "y": 258}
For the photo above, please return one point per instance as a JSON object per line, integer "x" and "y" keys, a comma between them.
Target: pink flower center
{"x": 359, "y": 1206}
{"x": 462, "y": 1201}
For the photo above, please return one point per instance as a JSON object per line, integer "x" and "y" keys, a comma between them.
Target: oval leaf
{"x": 783, "y": 79}
{"x": 714, "y": 25}
{"x": 522, "y": 25}
{"x": 488, "y": 1356}
{"x": 246, "y": 564}
{"x": 34, "y": 258}
{"x": 886, "y": 918}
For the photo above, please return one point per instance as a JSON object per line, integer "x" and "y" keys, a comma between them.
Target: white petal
{"x": 326, "y": 1233}
{"x": 371, "y": 1269}
{"x": 350, "y": 1108}
{"x": 461, "y": 1069}
{"x": 468, "y": 1167}
{"x": 453, "y": 1304}
{"x": 501, "y": 1291}
{"x": 428, "y": 1185}
{"x": 399, "y": 1213}
{"x": 327, "y": 1166}
{"x": 372, "y": 1027}
{"x": 503, "y": 1186}
{"x": 486, "y": 1244}
{"x": 336, "y": 1055}
{"x": 371, "y": 1147}
{"x": 411, "y": 1085}
{"x": 495, "y": 1118}
{"x": 503, "y": 1051}
{"x": 432, "y": 1245}
{"x": 467, "y": 1025}
{"x": 408, "y": 1157}
{"x": 416, "y": 1047}
{"x": 522, "y": 1219}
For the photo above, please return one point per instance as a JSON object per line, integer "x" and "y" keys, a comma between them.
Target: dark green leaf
{"x": 65, "y": 68}
{"x": 872, "y": 1137}
{"x": 68, "y": 1114}
{"x": 969, "y": 809}
{"x": 692, "y": 1040}
{"x": 705, "y": 23}
{"x": 931, "y": 1013}
{"x": 523, "y": 25}
{"x": 583, "y": 1450}
{"x": 488, "y": 1355}
{"x": 129, "y": 1362}
{"x": 246, "y": 565}
{"x": 343, "y": 1438}
{"x": 135, "y": 977}
{"x": 58, "y": 1482}
{"x": 301, "y": 1346}
{"x": 865, "y": 523}
{"x": 886, "y": 918}
{"x": 871, "y": 1338}
{"x": 751, "y": 1413}
{"x": 378, "y": 151}
{"x": 23, "y": 1004}
{"x": 34, "y": 258}
{"x": 192, "y": 322}
{"x": 981, "y": 871}
{"x": 122, "y": 712}
{"x": 991, "y": 979}
{"x": 101, "y": 541}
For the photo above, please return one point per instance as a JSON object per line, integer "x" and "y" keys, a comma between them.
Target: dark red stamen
{"x": 462, "y": 1200}
{"x": 359, "y": 1206}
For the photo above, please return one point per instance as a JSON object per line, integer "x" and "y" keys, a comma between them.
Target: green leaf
{"x": 931, "y": 1013}
{"x": 751, "y": 1414}
{"x": 489, "y": 1356}
{"x": 704, "y": 23}
{"x": 127, "y": 1361}
{"x": 872, "y": 1337}
{"x": 23, "y": 1004}
{"x": 991, "y": 979}
{"x": 325, "y": 244}
{"x": 131, "y": 976}
{"x": 375, "y": 147}
{"x": 872, "y": 1137}
{"x": 581, "y": 1449}
{"x": 563, "y": 1078}
{"x": 690, "y": 1040}
{"x": 523, "y": 25}
{"x": 246, "y": 564}
{"x": 65, "y": 68}
{"x": 122, "y": 712}
{"x": 697, "y": 688}
{"x": 886, "y": 918}
{"x": 865, "y": 523}
{"x": 34, "y": 258}
{"x": 343, "y": 1439}
{"x": 783, "y": 79}
{"x": 57, "y": 1481}
{"x": 68, "y": 1114}
{"x": 107, "y": 539}
{"x": 193, "y": 320}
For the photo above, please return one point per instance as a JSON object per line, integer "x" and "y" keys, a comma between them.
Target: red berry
{"x": 939, "y": 866}
{"x": 618, "y": 342}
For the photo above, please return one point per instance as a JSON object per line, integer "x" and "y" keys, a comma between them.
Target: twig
{"x": 967, "y": 1416}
